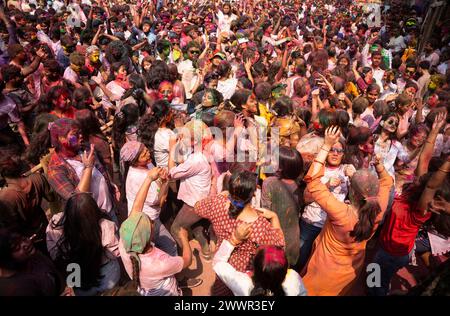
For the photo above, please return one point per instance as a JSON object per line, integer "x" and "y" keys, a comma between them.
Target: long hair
{"x": 81, "y": 242}
{"x": 368, "y": 206}
{"x": 270, "y": 269}
{"x": 242, "y": 186}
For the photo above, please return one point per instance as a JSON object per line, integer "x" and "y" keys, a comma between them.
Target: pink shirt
{"x": 195, "y": 176}
{"x": 157, "y": 273}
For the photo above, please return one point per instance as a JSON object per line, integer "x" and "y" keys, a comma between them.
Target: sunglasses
{"x": 410, "y": 71}
{"x": 197, "y": 52}
{"x": 337, "y": 150}
{"x": 392, "y": 122}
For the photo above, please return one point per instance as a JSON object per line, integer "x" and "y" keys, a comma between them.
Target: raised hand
{"x": 88, "y": 159}
{"x": 154, "y": 173}
{"x": 439, "y": 120}
{"x": 332, "y": 135}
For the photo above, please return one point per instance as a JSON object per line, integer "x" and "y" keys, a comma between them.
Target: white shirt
{"x": 188, "y": 76}
{"x": 313, "y": 213}
{"x": 157, "y": 272}
{"x": 227, "y": 87}
{"x": 134, "y": 181}
{"x": 161, "y": 146}
{"x": 99, "y": 187}
{"x": 70, "y": 75}
{"x": 241, "y": 284}
{"x": 195, "y": 175}
{"x": 390, "y": 153}
{"x": 224, "y": 22}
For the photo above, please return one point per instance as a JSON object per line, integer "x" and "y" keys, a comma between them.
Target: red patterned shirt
{"x": 216, "y": 211}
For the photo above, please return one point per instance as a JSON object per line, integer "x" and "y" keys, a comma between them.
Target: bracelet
{"x": 88, "y": 166}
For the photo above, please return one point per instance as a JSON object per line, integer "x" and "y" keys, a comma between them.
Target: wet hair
{"x": 270, "y": 268}
{"x": 81, "y": 242}
{"x": 242, "y": 186}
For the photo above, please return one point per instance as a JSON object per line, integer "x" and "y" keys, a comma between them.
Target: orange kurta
{"x": 337, "y": 259}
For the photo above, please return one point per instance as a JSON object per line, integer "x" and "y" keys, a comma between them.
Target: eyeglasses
{"x": 337, "y": 150}
{"x": 410, "y": 71}
{"x": 196, "y": 52}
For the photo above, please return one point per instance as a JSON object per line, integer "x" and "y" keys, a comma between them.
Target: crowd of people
{"x": 295, "y": 141}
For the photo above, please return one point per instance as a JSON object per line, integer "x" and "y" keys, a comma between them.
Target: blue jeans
{"x": 308, "y": 233}
{"x": 389, "y": 265}
{"x": 164, "y": 240}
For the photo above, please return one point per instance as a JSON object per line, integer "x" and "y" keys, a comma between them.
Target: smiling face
{"x": 411, "y": 92}
{"x": 372, "y": 96}
{"x": 252, "y": 105}
{"x": 418, "y": 139}
{"x": 391, "y": 124}
{"x": 335, "y": 155}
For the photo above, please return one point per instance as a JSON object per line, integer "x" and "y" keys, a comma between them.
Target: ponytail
{"x": 136, "y": 270}
{"x": 367, "y": 215}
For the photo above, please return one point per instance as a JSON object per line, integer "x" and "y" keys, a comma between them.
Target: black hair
{"x": 290, "y": 163}
{"x": 81, "y": 242}
{"x": 242, "y": 186}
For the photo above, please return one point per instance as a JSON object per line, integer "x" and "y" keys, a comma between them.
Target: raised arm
{"x": 319, "y": 191}
{"x": 432, "y": 186}
{"x": 428, "y": 148}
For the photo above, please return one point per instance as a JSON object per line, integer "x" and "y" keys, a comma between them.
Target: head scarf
{"x": 129, "y": 152}
{"x": 135, "y": 233}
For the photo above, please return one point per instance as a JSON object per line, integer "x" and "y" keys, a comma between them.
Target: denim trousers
{"x": 389, "y": 265}
{"x": 308, "y": 233}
